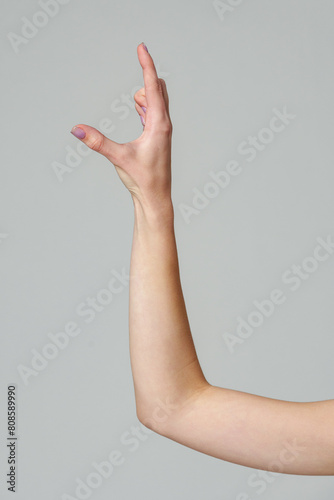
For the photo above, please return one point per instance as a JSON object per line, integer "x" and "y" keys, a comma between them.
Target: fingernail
{"x": 142, "y": 120}
{"x": 78, "y": 132}
{"x": 143, "y": 108}
{"x": 145, "y": 47}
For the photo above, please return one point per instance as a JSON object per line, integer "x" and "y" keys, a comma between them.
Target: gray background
{"x": 61, "y": 240}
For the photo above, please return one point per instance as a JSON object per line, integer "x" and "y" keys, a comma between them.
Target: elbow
{"x": 146, "y": 421}
{"x": 153, "y": 420}
{"x": 158, "y": 415}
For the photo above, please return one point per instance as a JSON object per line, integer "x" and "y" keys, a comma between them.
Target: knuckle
{"x": 169, "y": 129}
{"x": 166, "y": 126}
{"x": 139, "y": 94}
{"x": 96, "y": 143}
{"x": 156, "y": 86}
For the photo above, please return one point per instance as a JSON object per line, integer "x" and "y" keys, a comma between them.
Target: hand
{"x": 143, "y": 165}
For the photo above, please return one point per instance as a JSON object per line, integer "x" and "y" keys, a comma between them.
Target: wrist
{"x": 155, "y": 214}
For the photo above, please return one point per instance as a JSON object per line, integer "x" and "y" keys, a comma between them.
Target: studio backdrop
{"x": 251, "y": 101}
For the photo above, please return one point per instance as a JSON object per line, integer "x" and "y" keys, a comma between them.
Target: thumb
{"x": 98, "y": 142}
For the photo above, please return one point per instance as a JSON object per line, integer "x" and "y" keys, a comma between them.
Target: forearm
{"x": 164, "y": 363}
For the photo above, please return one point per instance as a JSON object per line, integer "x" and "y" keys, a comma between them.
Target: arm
{"x": 172, "y": 395}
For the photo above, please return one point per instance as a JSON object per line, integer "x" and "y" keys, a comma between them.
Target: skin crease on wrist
{"x": 172, "y": 395}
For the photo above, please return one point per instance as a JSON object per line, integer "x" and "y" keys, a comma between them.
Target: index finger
{"x": 153, "y": 88}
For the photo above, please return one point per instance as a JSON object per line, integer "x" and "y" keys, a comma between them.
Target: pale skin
{"x": 173, "y": 397}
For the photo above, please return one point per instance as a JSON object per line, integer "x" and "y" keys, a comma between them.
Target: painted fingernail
{"x": 145, "y": 47}
{"x": 143, "y": 108}
{"x": 78, "y": 132}
{"x": 142, "y": 120}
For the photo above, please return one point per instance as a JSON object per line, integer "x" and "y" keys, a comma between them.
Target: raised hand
{"x": 143, "y": 165}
